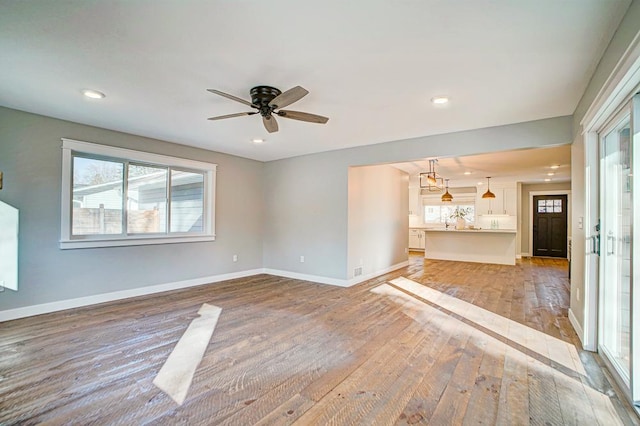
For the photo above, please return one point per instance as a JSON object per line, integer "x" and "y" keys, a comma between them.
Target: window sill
{"x": 132, "y": 241}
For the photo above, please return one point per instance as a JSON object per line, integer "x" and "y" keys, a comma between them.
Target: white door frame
{"x": 614, "y": 94}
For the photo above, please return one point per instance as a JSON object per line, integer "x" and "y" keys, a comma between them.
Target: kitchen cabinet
{"x": 414, "y": 201}
{"x": 505, "y": 202}
{"x": 416, "y": 239}
{"x": 510, "y": 200}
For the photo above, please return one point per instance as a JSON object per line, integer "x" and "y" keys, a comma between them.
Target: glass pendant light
{"x": 488, "y": 194}
{"x": 447, "y": 197}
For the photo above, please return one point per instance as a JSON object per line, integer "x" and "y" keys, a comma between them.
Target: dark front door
{"x": 550, "y": 225}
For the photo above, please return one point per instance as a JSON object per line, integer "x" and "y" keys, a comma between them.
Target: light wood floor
{"x": 468, "y": 344}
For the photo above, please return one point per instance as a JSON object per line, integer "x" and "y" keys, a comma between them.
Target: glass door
{"x": 619, "y": 304}
{"x": 615, "y": 256}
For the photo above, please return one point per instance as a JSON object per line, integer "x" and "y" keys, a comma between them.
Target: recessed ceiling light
{"x": 479, "y": 183}
{"x": 467, "y": 173}
{"x": 547, "y": 180}
{"x": 550, "y": 174}
{"x": 440, "y": 100}
{"x": 93, "y": 94}
{"x": 555, "y": 166}
{"x": 257, "y": 140}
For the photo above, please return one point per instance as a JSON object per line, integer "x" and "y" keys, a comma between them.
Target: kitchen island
{"x": 471, "y": 245}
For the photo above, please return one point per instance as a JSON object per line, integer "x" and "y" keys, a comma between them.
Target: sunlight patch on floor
{"x": 175, "y": 376}
{"x": 523, "y": 374}
{"x": 549, "y": 347}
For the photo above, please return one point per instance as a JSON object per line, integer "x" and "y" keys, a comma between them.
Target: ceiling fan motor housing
{"x": 261, "y": 96}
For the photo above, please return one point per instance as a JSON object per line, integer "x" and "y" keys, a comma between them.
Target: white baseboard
{"x": 361, "y": 278}
{"x": 576, "y": 326}
{"x": 524, "y": 255}
{"x": 61, "y": 305}
{"x": 335, "y": 281}
{"x": 305, "y": 277}
{"x": 79, "y": 302}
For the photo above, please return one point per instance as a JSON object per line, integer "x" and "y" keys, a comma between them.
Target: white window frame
{"x": 70, "y": 241}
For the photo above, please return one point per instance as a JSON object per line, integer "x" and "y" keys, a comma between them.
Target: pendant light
{"x": 488, "y": 194}
{"x": 431, "y": 176}
{"x": 430, "y": 180}
{"x": 446, "y": 197}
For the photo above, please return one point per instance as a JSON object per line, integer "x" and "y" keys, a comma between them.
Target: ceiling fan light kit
{"x": 268, "y": 101}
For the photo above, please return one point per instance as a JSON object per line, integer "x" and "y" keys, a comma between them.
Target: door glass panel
{"x": 616, "y": 251}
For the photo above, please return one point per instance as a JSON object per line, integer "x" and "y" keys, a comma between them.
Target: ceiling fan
{"x": 267, "y": 100}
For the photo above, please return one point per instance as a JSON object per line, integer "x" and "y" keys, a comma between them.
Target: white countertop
{"x": 472, "y": 231}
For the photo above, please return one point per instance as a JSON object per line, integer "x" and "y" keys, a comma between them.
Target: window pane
{"x": 97, "y": 197}
{"x": 187, "y": 201}
{"x": 146, "y": 199}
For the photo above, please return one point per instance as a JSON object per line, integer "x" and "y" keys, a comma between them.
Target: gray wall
{"x": 625, "y": 33}
{"x": 378, "y": 220}
{"x": 31, "y": 159}
{"x": 628, "y": 29}
{"x": 306, "y": 199}
{"x": 525, "y": 218}
{"x": 577, "y": 233}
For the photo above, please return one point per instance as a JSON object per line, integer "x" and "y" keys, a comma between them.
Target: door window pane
{"x": 146, "y": 199}
{"x": 97, "y": 197}
{"x": 187, "y": 201}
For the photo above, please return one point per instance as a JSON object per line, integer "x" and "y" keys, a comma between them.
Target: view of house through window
{"x": 98, "y": 209}
{"x": 146, "y": 199}
{"x": 117, "y": 195}
{"x": 97, "y": 196}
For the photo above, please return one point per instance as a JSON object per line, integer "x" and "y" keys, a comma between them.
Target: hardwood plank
{"x": 288, "y": 351}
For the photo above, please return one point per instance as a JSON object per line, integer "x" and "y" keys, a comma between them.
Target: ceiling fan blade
{"x": 238, "y": 114}
{"x": 234, "y": 98}
{"x": 303, "y": 116}
{"x": 270, "y": 124}
{"x": 288, "y": 97}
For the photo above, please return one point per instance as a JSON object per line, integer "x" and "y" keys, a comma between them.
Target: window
{"x": 441, "y": 214}
{"x": 549, "y": 206}
{"x": 115, "y": 197}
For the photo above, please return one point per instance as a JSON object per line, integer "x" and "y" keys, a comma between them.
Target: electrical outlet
{"x": 235, "y": 257}
{"x": 301, "y": 259}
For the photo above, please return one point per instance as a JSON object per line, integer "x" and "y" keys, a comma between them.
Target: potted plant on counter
{"x": 459, "y": 215}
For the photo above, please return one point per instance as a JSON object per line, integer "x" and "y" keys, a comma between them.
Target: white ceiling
{"x": 525, "y": 165}
{"x": 372, "y": 67}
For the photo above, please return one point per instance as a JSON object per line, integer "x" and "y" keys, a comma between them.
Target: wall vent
{"x": 357, "y": 271}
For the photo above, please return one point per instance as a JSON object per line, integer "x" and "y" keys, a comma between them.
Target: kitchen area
{"x": 471, "y": 227}
{"x": 482, "y": 208}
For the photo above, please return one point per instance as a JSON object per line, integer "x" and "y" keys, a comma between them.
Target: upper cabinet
{"x": 505, "y": 203}
{"x": 414, "y": 201}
